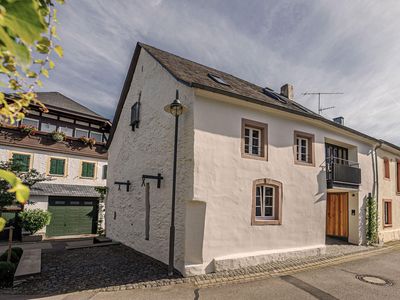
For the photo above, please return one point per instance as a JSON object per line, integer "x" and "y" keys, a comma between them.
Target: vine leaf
{"x": 21, "y": 191}
{"x": 59, "y": 50}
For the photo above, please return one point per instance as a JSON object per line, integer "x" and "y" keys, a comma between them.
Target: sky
{"x": 352, "y": 47}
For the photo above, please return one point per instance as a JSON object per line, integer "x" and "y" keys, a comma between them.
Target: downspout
{"x": 376, "y": 190}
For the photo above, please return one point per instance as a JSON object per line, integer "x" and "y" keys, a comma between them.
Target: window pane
{"x": 255, "y": 134}
{"x": 22, "y": 161}
{"x": 258, "y": 211}
{"x": 304, "y": 142}
{"x": 268, "y": 191}
{"x": 105, "y": 167}
{"x": 247, "y": 132}
{"x": 68, "y": 131}
{"x": 47, "y": 127}
{"x": 81, "y": 133}
{"x": 97, "y": 136}
{"x": 268, "y": 211}
{"x": 30, "y": 122}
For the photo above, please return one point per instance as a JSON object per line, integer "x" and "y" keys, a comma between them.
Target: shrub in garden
{"x": 14, "y": 257}
{"x": 7, "y": 270}
{"x": 33, "y": 220}
{"x": 18, "y": 251}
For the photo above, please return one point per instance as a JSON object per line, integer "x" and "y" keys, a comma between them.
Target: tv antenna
{"x": 321, "y": 109}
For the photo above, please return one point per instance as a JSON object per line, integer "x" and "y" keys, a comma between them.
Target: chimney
{"x": 287, "y": 91}
{"x": 339, "y": 120}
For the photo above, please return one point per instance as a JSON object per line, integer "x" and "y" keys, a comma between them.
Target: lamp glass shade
{"x": 176, "y": 108}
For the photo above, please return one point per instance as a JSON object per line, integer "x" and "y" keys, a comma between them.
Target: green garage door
{"x": 72, "y": 216}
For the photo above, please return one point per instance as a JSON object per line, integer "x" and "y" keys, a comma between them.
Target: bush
{"x": 14, "y": 257}
{"x": 18, "y": 251}
{"x": 33, "y": 220}
{"x": 7, "y": 271}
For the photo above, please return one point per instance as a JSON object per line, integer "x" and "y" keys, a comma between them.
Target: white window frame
{"x": 47, "y": 123}
{"x": 60, "y": 127}
{"x": 87, "y": 133}
{"x": 96, "y": 132}
{"x": 262, "y": 196}
{"x": 249, "y": 145}
{"x": 31, "y": 120}
{"x": 300, "y": 149}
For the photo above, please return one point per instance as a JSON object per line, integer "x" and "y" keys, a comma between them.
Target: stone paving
{"x": 115, "y": 268}
{"x": 90, "y": 268}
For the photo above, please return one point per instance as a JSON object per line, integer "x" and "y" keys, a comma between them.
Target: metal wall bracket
{"x": 128, "y": 184}
{"x": 158, "y": 177}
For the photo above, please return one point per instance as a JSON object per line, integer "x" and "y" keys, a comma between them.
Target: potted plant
{"x": 33, "y": 220}
{"x": 28, "y": 130}
{"x": 88, "y": 141}
{"x": 58, "y": 136}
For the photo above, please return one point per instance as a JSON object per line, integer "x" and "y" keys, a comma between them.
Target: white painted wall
{"x": 388, "y": 190}
{"x": 41, "y": 161}
{"x": 149, "y": 150}
{"x": 223, "y": 182}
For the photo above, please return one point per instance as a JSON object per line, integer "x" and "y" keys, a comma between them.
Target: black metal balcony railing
{"x": 342, "y": 173}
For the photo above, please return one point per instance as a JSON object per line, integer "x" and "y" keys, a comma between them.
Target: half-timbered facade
{"x": 75, "y": 164}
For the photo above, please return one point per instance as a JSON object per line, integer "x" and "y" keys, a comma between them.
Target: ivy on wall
{"x": 371, "y": 220}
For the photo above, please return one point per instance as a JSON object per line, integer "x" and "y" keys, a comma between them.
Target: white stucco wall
{"x": 148, "y": 151}
{"x": 41, "y": 160}
{"x": 388, "y": 191}
{"x": 223, "y": 183}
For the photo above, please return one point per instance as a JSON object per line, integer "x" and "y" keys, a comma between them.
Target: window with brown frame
{"x": 386, "y": 163}
{"x": 267, "y": 202}
{"x": 387, "y": 210}
{"x": 398, "y": 177}
{"x": 254, "y": 140}
{"x": 304, "y": 148}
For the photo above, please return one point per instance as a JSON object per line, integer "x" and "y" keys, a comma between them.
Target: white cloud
{"x": 345, "y": 46}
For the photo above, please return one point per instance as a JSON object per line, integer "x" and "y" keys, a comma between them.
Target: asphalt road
{"x": 333, "y": 282}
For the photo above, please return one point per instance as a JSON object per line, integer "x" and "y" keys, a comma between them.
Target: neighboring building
{"x": 75, "y": 167}
{"x": 259, "y": 175}
{"x": 388, "y": 172}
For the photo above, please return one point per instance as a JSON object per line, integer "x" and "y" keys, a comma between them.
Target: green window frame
{"x": 23, "y": 160}
{"x": 57, "y": 166}
{"x": 88, "y": 169}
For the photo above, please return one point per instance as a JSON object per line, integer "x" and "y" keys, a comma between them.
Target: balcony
{"x": 341, "y": 173}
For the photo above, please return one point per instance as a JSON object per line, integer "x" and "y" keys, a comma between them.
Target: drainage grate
{"x": 374, "y": 280}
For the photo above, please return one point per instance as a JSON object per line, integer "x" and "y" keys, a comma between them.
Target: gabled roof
{"x": 197, "y": 75}
{"x": 57, "y": 101}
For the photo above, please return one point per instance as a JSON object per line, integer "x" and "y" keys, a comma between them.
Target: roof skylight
{"x": 217, "y": 79}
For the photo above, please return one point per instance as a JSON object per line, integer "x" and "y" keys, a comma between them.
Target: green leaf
{"x": 21, "y": 191}
{"x": 31, "y": 74}
{"x": 51, "y": 64}
{"x": 45, "y": 72}
{"x": 24, "y": 20}
{"x": 2, "y": 223}
{"x": 59, "y": 50}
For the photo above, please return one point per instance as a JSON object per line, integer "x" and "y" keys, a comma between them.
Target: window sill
{"x": 93, "y": 178}
{"x": 255, "y": 157}
{"x": 57, "y": 175}
{"x": 302, "y": 163}
{"x": 387, "y": 226}
{"x": 266, "y": 222}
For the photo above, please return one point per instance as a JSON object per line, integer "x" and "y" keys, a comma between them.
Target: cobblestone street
{"x": 90, "y": 268}
{"x": 116, "y": 268}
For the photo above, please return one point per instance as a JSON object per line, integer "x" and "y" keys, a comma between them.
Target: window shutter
{"x": 135, "y": 115}
{"x": 105, "y": 167}
{"x": 23, "y": 161}
{"x": 60, "y": 166}
{"x": 53, "y": 166}
{"x": 88, "y": 169}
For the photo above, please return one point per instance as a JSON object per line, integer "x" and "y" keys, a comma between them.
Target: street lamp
{"x": 176, "y": 108}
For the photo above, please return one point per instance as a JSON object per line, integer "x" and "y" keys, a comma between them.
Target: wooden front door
{"x": 337, "y": 215}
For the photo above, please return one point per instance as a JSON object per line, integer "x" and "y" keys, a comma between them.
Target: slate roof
{"x": 58, "y": 101}
{"x": 53, "y": 189}
{"x": 196, "y": 75}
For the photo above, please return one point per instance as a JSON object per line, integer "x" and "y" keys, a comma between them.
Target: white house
{"x": 74, "y": 166}
{"x": 259, "y": 175}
